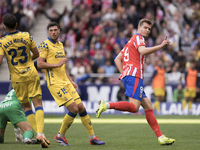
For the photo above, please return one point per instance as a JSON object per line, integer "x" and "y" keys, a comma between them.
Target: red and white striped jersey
{"x": 133, "y": 61}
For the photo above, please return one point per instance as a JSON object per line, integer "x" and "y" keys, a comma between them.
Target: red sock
{"x": 123, "y": 106}
{"x": 153, "y": 122}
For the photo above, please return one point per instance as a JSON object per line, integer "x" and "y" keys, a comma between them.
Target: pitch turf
{"x": 118, "y": 135}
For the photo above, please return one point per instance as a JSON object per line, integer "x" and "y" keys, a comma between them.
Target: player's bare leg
{"x": 27, "y": 130}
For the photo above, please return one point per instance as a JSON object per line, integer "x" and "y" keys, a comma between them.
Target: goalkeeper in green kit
{"x": 11, "y": 110}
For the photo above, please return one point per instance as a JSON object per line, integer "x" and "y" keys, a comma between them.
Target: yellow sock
{"x": 31, "y": 120}
{"x": 190, "y": 105}
{"x": 67, "y": 121}
{"x": 184, "y": 104}
{"x": 39, "y": 116}
{"x": 86, "y": 121}
{"x": 157, "y": 106}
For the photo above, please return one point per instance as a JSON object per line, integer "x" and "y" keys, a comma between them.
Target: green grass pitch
{"x": 118, "y": 136}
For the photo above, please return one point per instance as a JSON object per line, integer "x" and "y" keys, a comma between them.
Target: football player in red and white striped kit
{"x": 130, "y": 63}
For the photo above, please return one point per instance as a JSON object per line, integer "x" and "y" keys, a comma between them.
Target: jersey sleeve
{"x": 43, "y": 49}
{"x": 1, "y": 49}
{"x": 139, "y": 41}
{"x": 33, "y": 44}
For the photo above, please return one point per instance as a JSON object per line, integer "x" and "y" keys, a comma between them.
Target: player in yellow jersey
{"x": 17, "y": 46}
{"x": 62, "y": 88}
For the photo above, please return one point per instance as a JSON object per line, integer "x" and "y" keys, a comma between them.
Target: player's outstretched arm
{"x": 118, "y": 62}
{"x": 41, "y": 64}
{"x": 148, "y": 50}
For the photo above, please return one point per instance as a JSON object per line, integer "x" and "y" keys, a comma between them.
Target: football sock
{"x": 153, "y": 122}
{"x": 184, "y": 102}
{"x": 157, "y": 105}
{"x": 31, "y": 119}
{"x": 108, "y": 105}
{"x": 67, "y": 121}
{"x": 61, "y": 135}
{"x": 39, "y": 117}
{"x": 28, "y": 134}
{"x": 92, "y": 136}
{"x": 1, "y": 139}
{"x": 161, "y": 136}
{"x": 123, "y": 106}
{"x": 190, "y": 105}
{"x": 86, "y": 121}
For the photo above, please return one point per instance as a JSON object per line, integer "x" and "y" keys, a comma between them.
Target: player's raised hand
{"x": 165, "y": 42}
{"x": 63, "y": 61}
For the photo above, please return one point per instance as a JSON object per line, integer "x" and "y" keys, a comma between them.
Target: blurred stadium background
{"x": 94, "y": 31}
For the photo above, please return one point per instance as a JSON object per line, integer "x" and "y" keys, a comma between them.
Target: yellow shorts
{"x": 28, "y": 89}
{"x": 64, "y": 94}
{"x": 159, "y": 92}
{"x": 191, "y": 92}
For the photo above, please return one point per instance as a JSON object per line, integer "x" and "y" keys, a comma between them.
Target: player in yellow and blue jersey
{"x": 62, "y": 88}
{"x": 17, "y": 46}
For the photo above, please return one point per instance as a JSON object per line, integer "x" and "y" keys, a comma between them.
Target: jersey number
{"x": 23, "y": 48}
{"x": 126, "y": 55}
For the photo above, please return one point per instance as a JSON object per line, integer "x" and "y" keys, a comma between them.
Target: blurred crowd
{"x": 24, "y": 10}
{"x": 95, "y": 31}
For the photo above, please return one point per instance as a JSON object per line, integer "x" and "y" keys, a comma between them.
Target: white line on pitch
{"x": 139, "y": 121}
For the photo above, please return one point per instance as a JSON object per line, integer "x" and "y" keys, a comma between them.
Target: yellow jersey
{"x": 53, "y": 52}
{"x": 16, "y": 46}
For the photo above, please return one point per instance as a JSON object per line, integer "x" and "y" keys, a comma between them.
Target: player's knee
{"x": 74, "y": 109}
{"x": 81, "y": 108}
{"x": 26, "y": 106}
{"x": 148, "y": 107}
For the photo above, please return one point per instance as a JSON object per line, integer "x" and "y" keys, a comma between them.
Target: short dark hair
{"x": 51, "y": 24}
{"x": 10, "y": 21}
{"x": 144, "y": 20}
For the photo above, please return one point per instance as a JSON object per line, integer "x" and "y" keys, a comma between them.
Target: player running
{"x": 62, "y": 88}
{"x": 17, "y": 46}
{"x": 130, "y": 63}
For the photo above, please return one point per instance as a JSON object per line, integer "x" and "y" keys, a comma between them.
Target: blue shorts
{"x": 134, "y": 87}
